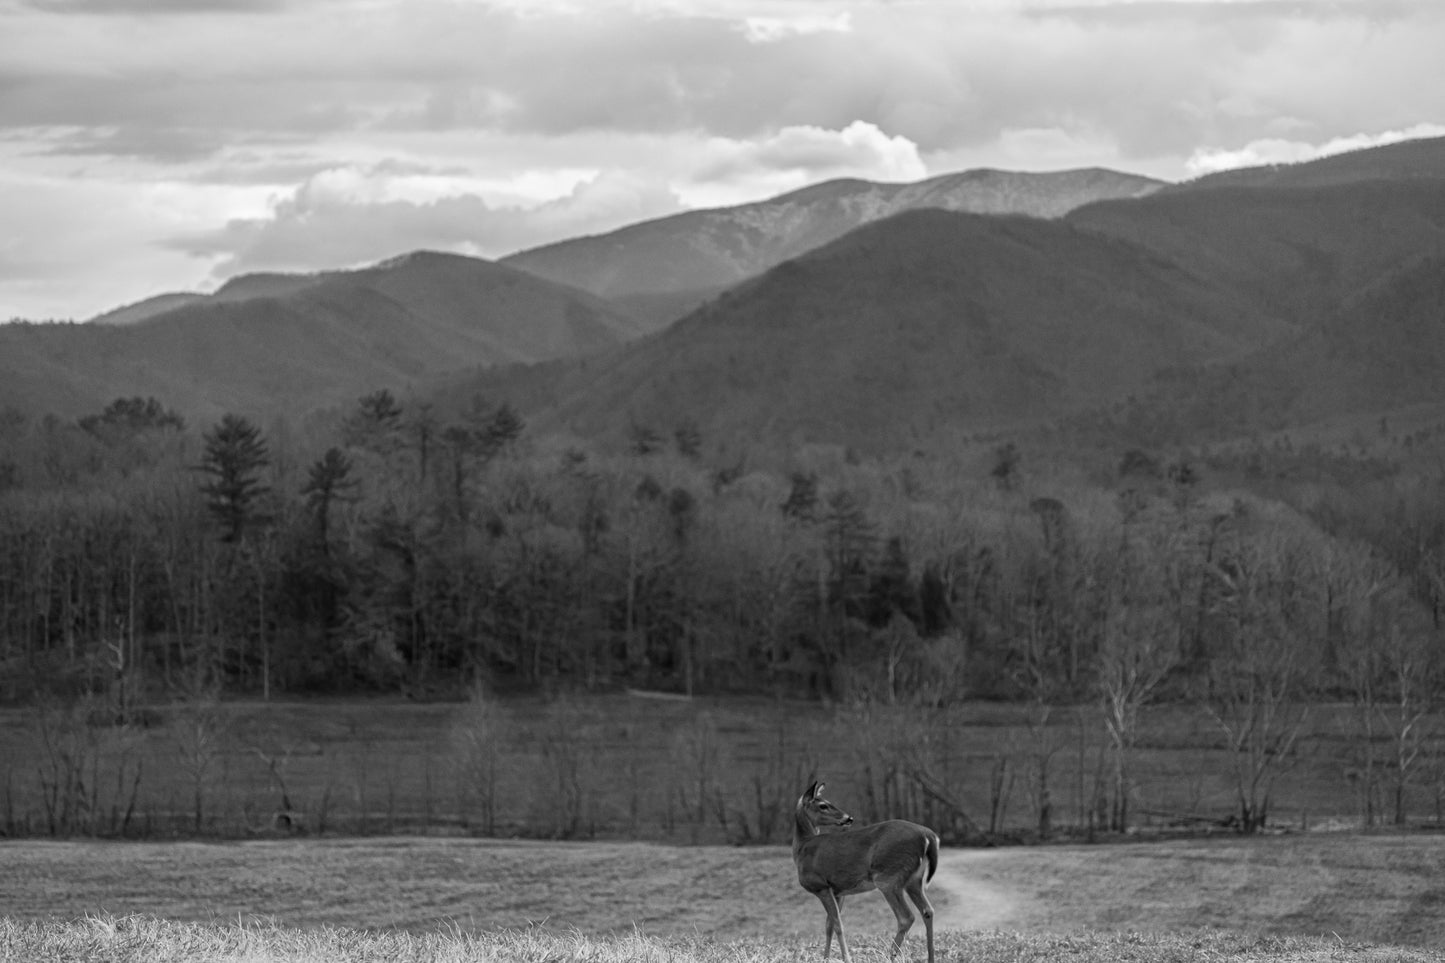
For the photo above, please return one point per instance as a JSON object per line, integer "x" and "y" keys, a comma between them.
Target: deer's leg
{"x": 919, "y": 896}
{"x": 833, "y": 904}
{"x": 894, "y": 894}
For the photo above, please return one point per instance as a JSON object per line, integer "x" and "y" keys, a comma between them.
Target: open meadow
{"x": 1206, "y": 899}
{"x": 714, "y": 770}
{"x": 358, "y": 830}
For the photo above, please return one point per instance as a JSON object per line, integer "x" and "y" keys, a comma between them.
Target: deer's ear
{"x": 818, "y": 788}
{"x": 812, "y": 790}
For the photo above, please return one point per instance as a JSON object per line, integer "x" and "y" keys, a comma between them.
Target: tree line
{"x": 402, "y": 548}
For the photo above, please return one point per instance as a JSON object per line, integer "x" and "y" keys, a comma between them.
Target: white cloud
{"x": 775, "y": 29}
{"x": 726, "y": 171}
{"x": 351, "y": 216}
{"x": 798, "y": 155}
{"x": 1272, "y": 150}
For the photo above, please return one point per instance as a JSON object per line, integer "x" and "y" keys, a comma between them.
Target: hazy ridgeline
{"x": 158, "y": 588}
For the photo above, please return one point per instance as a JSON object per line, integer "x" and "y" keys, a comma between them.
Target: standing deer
{"x": 893, "y": 857}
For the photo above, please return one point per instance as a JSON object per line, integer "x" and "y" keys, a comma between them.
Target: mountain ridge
{"x": 709, "y": 249}
{"x": 903, "y": 330}
{"x": 1415, "y": 158}
{"x": 294, "y": 342}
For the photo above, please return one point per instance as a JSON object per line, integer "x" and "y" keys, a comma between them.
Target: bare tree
{"x": 1139, "y": 646}
{"x": 200, "y": 728}
{"x": 481, "y": 731}
{"x": 1267, "y": 600}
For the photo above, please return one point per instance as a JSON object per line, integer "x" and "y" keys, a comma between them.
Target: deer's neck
{"x": 803, "y": 829}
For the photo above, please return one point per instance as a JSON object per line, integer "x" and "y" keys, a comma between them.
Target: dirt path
{"x": 970, "y": 903}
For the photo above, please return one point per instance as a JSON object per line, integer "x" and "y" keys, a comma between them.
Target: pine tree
{"x": 328, "y": 481}
{"x": 235, "y": 454}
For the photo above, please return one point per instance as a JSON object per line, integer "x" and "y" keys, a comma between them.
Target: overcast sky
{"x": 161, "y": 145}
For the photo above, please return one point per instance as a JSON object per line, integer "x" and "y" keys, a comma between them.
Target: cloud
{"x": 126, "y": 7}
{"x": 159, "y": 144}
{"x": 1196, "y": 12}
{"x": 1158, "y": 77}
{"x": 806, "y": 153}
{"x": 349, "y": 216}
{"x": 1267, "y": 151}
{"x": 76, "y": 247}
{"x": 776, "y": 29}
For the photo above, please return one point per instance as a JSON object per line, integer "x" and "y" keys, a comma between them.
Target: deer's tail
{"x": 930, "y": 849}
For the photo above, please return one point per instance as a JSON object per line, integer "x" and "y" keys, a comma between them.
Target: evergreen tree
{"x": 126, "y": 416}
{"x": 376, "y": 424}
{"x": 850, "y": 539}
{"x": 893, "y": 590}
{"x": 328, "y": 480}
{"x": 235, "y": 454}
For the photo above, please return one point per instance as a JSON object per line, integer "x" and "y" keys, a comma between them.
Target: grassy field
{"x": 1343, "y": 889}
{"x": 137, "y": 940}
{"x": 620, "y": 767}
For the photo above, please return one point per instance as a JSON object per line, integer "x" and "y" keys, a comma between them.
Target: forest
{"x": 399, "y": 548}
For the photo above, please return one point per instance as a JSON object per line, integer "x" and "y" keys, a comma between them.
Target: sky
{"x": 149, "y": 146}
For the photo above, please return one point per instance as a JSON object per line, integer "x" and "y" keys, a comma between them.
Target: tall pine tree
{"x": 234, "y": 457}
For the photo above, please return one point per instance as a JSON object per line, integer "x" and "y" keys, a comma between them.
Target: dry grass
{"x": 147, "y": 940}
{"x": 1378, "y": 889}
{"x": 1340, "y": 888}
{"x": 416, "y": 885}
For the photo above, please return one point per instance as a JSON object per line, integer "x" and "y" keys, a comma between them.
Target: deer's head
{"x": 819, "y": 814}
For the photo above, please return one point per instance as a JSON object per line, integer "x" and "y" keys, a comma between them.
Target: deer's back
{"x": 856, "y": 860}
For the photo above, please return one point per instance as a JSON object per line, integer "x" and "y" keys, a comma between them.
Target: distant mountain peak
{"x": 423, "y": 258}
{"x": 705, "y": 250}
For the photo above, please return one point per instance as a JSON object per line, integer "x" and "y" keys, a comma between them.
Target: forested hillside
{"x": 290, "y": 344}
{"x": 413, "y": 546}
{"x": 906, "y": 334}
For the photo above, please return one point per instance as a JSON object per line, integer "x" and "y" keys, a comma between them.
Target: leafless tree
{"x": 1269, "y": 601}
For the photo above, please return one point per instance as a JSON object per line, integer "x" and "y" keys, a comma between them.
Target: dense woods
{"x": 399, "y": 548}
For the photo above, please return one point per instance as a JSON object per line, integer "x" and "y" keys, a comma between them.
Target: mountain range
{"x": 880, "y": 316}
{"x": 290, "y": 343}
{"x": 1219, "y": 307}
{"x": 905, "y": 330}
{"x": 678, "y": 261}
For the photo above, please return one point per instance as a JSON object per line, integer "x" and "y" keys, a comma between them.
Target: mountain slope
{"x": 708, "y": 250}
{"x": 1380, "y": 350}
{"x": 1298, "y": 251}
{"x": 147, "y": 308}
{"x": 906, "y": 330}
{"x": 1402, "y": 161}
{"x": 325, "y": 339}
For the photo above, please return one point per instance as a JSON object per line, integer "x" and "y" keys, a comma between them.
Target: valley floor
{"x": 1346, "y": 889}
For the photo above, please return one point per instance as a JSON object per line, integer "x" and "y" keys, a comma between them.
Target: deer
{"x": 835, "y": 860}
